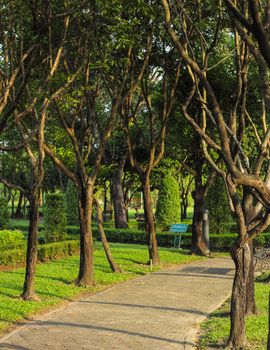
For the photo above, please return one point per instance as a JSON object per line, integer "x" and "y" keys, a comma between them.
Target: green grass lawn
{"x": 54, "y": 279}
{"x": 215, "y": 330}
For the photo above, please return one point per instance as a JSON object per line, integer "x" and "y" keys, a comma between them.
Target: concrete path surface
{"x": 159, "y": 311}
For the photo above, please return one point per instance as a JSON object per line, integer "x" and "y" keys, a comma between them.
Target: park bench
{"x": 179, "y": 230}
{"x": 262, "y": 258}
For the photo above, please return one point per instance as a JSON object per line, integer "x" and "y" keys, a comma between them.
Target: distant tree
{"x": 55, "y": 218}
{"x": 4, "y": 214}
{"x": 216, "y": 202}
{"x": 72, "y": 203}
{"x": 168, "y": 203}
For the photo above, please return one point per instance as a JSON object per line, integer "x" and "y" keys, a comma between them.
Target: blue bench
{"x": 179, "y": 230}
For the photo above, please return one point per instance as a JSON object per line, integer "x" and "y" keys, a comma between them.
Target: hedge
{"x": 218, "y": 242}
{"x": 46, "y": 252}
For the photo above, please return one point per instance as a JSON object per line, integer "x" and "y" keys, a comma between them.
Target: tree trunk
{"x": 120, "y": 215}
{"x": 112, "y": 263}
{"x": 18, "y": 213}
{"x": 31, "y": 255}
{"x": 198, "y": 244}
{"x": 184, "y": 206}
{"x": 150, "y": 224}
{"x": 250, "y": 293}
{"x": 241, "y": 258}
{"x": 86, "y": 270}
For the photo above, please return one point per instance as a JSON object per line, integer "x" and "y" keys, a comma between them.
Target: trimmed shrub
{"x": 168, "y": 204}
{"x": 8, "y": 237}
{"x": 72, "y": 204}
{"x": 55, "y": 218}
{"x": 52, "y": 251}
{"x": 217, "y": 203}
{"x": 45, "y": 252}
{"x": 4, "y": 214}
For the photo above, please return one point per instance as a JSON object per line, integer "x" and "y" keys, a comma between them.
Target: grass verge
{"x": 54, "y": 279}
{"x": 215, "y": 331}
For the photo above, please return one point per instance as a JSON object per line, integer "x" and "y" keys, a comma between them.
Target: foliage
{"x": 168, "y": 204}
{"x": 4, "y": 215}
{"x": 49, "y": 251}
{"x": 8, "y": 237}
{"x": 217, "y": 203}
{"x": 72, "y": 204}
{"x": 55, "y": 218}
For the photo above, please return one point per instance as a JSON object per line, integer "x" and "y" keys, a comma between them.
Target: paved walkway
{"x": 159, "y": 311}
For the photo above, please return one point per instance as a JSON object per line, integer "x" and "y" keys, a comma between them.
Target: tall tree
{"x": 88, "y": 110}
{"x": 249, "y": 173}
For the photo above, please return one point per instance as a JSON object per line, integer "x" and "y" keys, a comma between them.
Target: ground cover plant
{"x": 216, "y": 329}
{"x": 54, "y": 279}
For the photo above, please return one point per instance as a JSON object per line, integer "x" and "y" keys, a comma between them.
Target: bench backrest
{"x": 179, "y": 228}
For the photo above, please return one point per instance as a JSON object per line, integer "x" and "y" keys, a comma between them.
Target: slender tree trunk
{"x": 86, "y": 271}
{"x": 183, "y": 206}
{"x": 241, "y": 258}
{"x": 13, "y": 204}
{"x": 112, "y": 263}
{"x": 150, "y": 223}
{"x": 198, "y": 244}
{"x": 105, "y": 198}
{"x": 250, "y": 293}
{"x": 18, "y": 213}
{"x": 31, "y": 255}
{"x": 120, "y": 215}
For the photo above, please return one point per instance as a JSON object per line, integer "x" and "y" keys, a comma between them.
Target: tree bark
{"x": 120, "y": 215}
{"x": 198, "y": 244}
{"x": 241, "y": 258}
{"x": 31, "y": 255}
{"x": 109, "y": 256}
{"x": 250, "y": 293}
{"x": 86, "y": 270}
{"x": 150, "y": 224}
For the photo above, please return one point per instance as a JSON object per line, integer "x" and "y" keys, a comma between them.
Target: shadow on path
{"x": 12, "y": 347}
{"x": 191, "y": 311}
{"x": 108, "y": 329}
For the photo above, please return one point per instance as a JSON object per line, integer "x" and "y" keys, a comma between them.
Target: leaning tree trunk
{"x": 250, "y": 293}
{"x": 31, "y": 255}
{"x": 241, "y": 258}
{"x": 112, "y": 263}
{"x": 86, "y": 270}
{"x": 150, "y": 224}
{"x": 120, "y": 215}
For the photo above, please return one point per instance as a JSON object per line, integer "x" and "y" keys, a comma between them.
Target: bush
{"x": 168, "y": 204}
{"x": 72, "y": 204}
{"x": 10, "y": 237}
{"x": 4, "y": 214}
{"x": 55, "y": 218}
{"x": 217, "y": 203}
{"x": 45, "y": 252}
